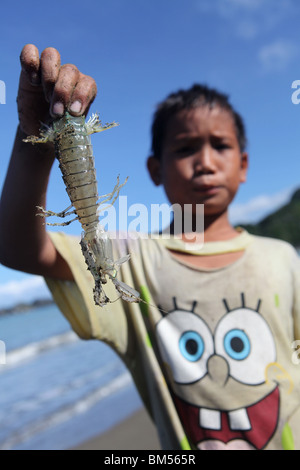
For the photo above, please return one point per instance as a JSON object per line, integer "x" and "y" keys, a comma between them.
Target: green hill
{"x": 283, "y": 223}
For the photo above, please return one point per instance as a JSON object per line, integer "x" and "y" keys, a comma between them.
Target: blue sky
{"x": 140, "y": 51}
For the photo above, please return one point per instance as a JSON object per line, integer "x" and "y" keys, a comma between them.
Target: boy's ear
{"x": 244, "y": 167}
{"x": 153, "y": 165}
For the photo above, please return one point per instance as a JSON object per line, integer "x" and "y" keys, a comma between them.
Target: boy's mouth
{"x": 206, "y": 189}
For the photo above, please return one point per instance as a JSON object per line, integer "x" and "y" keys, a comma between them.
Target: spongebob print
{"x": 206, "y": 367}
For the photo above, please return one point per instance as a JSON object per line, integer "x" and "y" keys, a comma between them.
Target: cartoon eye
{"x": 185, "y": 344}
{"x": 237, "y": 344}
{"x": 245, "y": 340}
{"x": 191, "y": 346}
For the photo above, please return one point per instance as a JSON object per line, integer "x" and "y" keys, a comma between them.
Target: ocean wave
{"x": 17, "y": 438}
{"x": 19, "y": 356}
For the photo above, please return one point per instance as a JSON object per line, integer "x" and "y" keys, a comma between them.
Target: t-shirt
{"x": 213, "y": 352}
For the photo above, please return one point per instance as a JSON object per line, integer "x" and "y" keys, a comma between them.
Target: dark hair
{"x": 194, "y": 97}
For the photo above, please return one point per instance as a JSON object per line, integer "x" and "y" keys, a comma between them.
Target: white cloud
{"x": 247, "y": 29}
{"x": 241, "y": 6}
{"x": 259, "y": 207}
{"x": 249, "y": 18}
{"x": 277, "y": 56}
{"x": 229, "y": 7}
{"x": 248, "y": 4}
{"x": 26, "y": 290}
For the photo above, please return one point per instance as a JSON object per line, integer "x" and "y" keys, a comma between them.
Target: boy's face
{"x": 201, "y": 161}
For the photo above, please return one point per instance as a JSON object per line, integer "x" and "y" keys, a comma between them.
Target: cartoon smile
{"x": 255, "y": 424}
{"x": 220, "y": 377}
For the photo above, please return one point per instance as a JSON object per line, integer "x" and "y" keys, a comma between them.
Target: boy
{"x": 213, "y": 362}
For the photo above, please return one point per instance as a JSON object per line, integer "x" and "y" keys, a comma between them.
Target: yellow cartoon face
{"x": 225, "y": 366}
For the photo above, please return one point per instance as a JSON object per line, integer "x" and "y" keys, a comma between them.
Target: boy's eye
{"x": 185, "y": 150}
{"x": 221, "y": 146}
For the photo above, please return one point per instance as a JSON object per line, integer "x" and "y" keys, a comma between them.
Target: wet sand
{"x": 137, "y": 432}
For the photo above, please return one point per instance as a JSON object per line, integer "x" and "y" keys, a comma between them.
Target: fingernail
{"x": 76, "y": 107}
{"x": 58, "y": 108}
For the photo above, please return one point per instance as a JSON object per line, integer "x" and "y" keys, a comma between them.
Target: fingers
{"x": 73, "y": 91}
{"x": 64, "y": 87}
{"x": 50, "y": 69}
{"x": 83, "y": 95}
{"x": 30, "y": 63}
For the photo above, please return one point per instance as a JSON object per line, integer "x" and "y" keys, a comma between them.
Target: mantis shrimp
{"x": 73, "y": 149}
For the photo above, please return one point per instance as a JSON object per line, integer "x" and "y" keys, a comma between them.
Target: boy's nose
{"x": 204, "y": 160}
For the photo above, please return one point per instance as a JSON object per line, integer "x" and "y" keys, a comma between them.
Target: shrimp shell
{"x": 73, "y": 149}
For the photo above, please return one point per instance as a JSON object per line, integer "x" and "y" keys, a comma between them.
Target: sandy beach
{"x": 137, "y": 432}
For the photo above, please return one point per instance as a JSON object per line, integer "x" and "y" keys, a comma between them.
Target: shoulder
{"x": 273, "y": 243}
{"x": 274, "y": 248}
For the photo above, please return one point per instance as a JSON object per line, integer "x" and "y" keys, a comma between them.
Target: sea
{"x": 57, "y": 391}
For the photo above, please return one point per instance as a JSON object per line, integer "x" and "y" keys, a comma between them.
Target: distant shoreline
{"x": 24, "y": 307}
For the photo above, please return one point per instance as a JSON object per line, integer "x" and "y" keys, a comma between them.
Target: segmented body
{"x": 73, "y": 149}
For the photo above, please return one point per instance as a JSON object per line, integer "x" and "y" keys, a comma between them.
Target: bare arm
{"x": 46, "y": 90}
